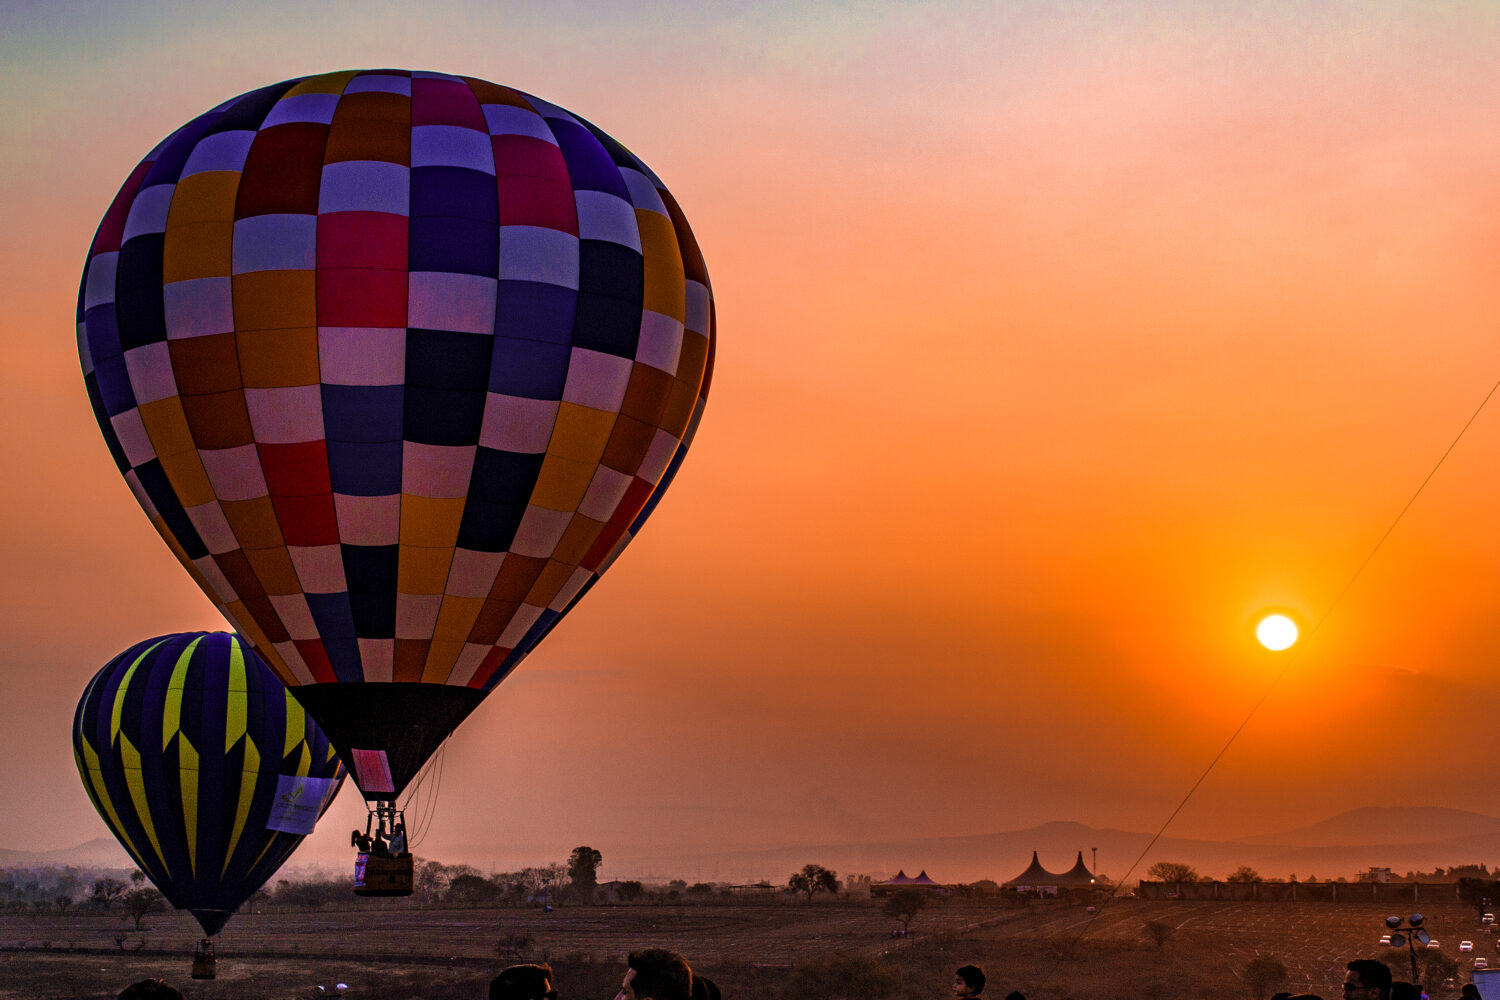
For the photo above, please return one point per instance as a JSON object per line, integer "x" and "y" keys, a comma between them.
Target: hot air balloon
{"x": 397, "y": 363}
{"x": 203, "y": 766}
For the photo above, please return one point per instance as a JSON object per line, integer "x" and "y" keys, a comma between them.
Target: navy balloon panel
{"x": 507, "y": 324}
{"x": 185, "y": 743}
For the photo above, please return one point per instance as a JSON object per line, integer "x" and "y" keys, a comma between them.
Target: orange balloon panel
{"x": 396, "y": 362}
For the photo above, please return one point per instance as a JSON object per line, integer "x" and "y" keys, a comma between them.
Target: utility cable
{"x": 1280, "y": 676}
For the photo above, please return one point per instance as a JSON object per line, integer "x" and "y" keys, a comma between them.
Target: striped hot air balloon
{"x": 203, "y": 766}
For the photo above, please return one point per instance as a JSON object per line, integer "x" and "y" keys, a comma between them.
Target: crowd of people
{"x": 1370, "y": 979}
{"x": 650, "y": 974}
{"x": 659, "y": 974}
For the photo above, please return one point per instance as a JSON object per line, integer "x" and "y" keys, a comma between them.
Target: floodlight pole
{"x": 1414, "y": 923}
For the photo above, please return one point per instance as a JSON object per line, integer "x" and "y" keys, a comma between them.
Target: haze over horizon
{"x": 1057, "y": 346}
{"x": 1404, "y": 839}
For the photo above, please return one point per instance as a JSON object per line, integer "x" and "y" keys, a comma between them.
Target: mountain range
{"x": 1403, "y": 838}
{"x": 1408, "y": 838}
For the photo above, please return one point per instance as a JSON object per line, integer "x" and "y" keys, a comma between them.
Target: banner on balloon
{"x": 299, "y": 803}
{"x": 372, "y": 771}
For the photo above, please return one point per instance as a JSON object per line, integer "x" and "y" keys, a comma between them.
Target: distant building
{"x": 1377, "y": 875}
{"x": 760, "y": 888}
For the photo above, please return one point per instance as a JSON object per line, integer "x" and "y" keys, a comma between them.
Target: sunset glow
{"x": 1276, "y": 632}
{"x": 1057, "y": 344}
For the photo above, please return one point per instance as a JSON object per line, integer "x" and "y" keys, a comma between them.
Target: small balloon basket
{"x": 383, "y": 875}
{"x": 205, "y": 965}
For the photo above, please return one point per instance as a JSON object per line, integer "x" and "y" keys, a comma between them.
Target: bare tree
{"x": 106, "y": 892}
{"x": 813, "y": 879}
{"x": 139, "y": 902}
{"x": 904, "y": 904}
{"x": 1173, "y": 871}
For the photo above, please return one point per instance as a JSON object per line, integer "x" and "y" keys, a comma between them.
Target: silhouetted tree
{"x": 313, "y": 894}
{"x": 904, "y": 904}
{"x": 1173, "y": 871}
{"x": 1261, "y": 973}
{"x": 630, "y": 891}
{"x": 139, "y": 902}
{"x": 583, "y": 873}
{"x": 1244, "y": 873}
{"x": 1479, "y": 893}
{"x": 468, "y": 888}
{"x": 813, "y": 879}
{"x": 106, "y": 892}
{"x": 430, "y": 879}
{"x": 514, "y": 947}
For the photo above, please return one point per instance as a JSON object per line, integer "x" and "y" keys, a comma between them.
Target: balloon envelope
{"x": 203, "y": 766}
{"x": 397, "y": 363}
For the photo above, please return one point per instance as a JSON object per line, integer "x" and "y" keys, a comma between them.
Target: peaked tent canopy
{"x": 1078, "y": 875}
{"x": 1034, "y": 874}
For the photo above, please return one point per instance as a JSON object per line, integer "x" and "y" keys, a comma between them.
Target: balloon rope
{"x": 427, "y": 803}
{"x": 432, "y": 799}
{"x": 1280, "y": 676}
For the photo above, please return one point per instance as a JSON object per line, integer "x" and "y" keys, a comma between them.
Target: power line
{"x": 1280, "y": 676}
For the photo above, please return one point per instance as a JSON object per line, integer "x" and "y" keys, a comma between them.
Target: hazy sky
{"x": 1058, "y": 342}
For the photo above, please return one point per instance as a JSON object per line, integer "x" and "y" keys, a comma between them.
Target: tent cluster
{"x": 904, "y": 881}
{"x": 1038, "y": 879}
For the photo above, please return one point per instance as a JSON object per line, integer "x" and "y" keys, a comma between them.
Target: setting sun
{"x": 1276, "y": 632}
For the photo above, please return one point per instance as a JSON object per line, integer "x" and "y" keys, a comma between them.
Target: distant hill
{"x": 1404, "y": 839}
{"x": 1375, "y": 825}
{"x": 101, "y": 852}
{"x": 1401, "y": 838}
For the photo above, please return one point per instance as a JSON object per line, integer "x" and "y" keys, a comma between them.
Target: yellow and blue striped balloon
{"x": 203, "y": 766}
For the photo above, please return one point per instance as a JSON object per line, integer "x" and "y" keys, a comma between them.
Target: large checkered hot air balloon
{"x": 203, "y": 767}
{"x": 397, "y": 363}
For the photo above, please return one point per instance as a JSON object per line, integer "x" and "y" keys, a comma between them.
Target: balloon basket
{"x": 205, "y": 965}
{"x": 377, "y": 875}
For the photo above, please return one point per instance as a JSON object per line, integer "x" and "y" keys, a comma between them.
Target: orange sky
{"x": 1055, "y": 347}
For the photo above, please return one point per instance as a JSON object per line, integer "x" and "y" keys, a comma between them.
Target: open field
{"x": 1050, "y": 951}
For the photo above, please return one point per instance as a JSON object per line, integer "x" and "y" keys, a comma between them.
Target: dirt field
{"x": 1050, "y": 952}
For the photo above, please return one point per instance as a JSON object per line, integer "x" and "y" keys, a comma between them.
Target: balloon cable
{"x": 432, "y": 798}
{"x": 426, "y": 803}
{"x": 1276, "y": 680}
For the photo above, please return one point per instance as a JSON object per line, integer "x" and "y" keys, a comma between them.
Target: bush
{"x": 840, "y": 975}
{"x": 1261, "y": 973}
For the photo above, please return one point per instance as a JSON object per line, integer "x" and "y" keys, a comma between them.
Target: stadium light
{"x": 1411, "y": 935}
